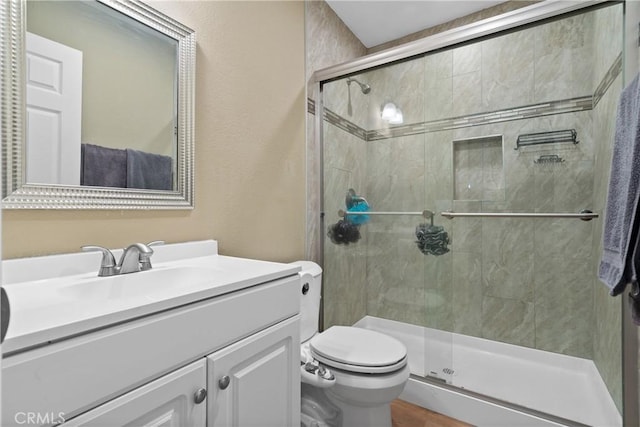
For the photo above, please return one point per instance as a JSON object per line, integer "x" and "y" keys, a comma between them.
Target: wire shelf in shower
{"x": 551, "y": 137}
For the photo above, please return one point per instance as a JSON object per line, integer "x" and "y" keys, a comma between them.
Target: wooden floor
{"x": 405, "y": 414}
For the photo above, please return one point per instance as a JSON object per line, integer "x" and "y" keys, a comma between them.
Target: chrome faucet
{"x": 136, "y": 257}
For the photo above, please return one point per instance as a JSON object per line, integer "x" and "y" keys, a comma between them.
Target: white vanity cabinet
{"x": 256, "y": 382}
{"x": 176, "y": 399}
{"x": 252, "y": 383}
{"x": 153, "y": 369}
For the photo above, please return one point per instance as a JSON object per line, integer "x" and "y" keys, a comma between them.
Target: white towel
{"x": 620, "y": 237}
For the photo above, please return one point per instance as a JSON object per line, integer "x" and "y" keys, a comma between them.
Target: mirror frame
{"x": 20, "y": 195}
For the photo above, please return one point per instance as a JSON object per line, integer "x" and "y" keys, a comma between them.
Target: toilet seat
{"x": 359, "y": 350}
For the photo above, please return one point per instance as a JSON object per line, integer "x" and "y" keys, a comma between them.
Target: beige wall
{"x": 250, "y": 177}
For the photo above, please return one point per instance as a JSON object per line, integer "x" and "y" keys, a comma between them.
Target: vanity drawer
{"x": 77, "y": 374}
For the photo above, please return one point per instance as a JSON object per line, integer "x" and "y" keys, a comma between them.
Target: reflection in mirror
{"x": 119, "y": 75}
{"x": 108, "y": 90}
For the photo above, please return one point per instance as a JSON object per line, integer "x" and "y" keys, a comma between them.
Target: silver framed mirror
{"x": 18, "y": 193}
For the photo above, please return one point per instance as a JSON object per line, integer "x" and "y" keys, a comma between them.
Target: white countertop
{"x": 48, "y": 305}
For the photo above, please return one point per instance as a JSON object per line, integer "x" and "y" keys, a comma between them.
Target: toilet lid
{"x": 358, "y": 350}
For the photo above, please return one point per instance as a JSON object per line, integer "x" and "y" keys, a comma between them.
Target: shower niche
{"x": 478, "y": 171}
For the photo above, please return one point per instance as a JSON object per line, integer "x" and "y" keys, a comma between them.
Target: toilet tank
{"x": 310, "y": 287}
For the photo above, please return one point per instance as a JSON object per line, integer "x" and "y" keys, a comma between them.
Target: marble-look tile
{"x": 507, "y": 260}
{"x": 438, "y": 184}
{"x": 438, "y": 95}
{"x": 507, "y": 320}
{"x": 347, "y": 101}
{"x": 492, "y": 169}
{"x": 563, "y": 54}
{"x": 468, "y": 170}
{"x": 439, "y": 66}
{"x": 564, "y": 305}
{"x": 345, "y": 152}
{"x": 563, "y": 238}
{"x": 467, "y": 293}
{"x": 607, "y": 334}
{"x": 438, "y": 271}
{"x": 467, "y": 59}
{"x": 466, "y": 94}
{"x": 566, "y": 33}
{"x": 344, "y": 287}
{"x": 328, "y": 41}
{"x": 395, "y": 271}
{"x": 560, "y": 279}
{"x": 581, "y": 65}
{"x": 409, "y": 83}
{"x": 608, "y": 39}
{"x": 336, "y": 183}
{"x": 508, "y": 70}
{"x": 438, "y": 98}
{"x": 573, "y": 186}
{"x": 542, "y": 191}
{"x": 551, "y": 80}
{"x": 565, "y": 328}
{"x": 466, "y": 232}
{"x": 607, "y": 339}
{"x": 398, "y": 181}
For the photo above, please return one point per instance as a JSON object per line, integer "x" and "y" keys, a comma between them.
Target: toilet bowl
{"x": 359, "y": 371}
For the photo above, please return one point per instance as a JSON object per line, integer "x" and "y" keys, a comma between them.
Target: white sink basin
{"x": 152, "y": 284}
{"x": 52, "y": 298}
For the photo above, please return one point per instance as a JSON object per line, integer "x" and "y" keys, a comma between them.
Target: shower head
{"x": 365, "y": 88}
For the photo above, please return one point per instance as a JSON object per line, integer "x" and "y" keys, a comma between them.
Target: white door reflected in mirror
{"x": 54, "y": 111}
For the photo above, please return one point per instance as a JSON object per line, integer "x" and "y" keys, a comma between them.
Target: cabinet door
{"x": 169, "y": 401}
{"x": 256, "y": 381}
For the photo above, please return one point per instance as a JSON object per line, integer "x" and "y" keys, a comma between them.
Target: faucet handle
{"x": 145, "y": 260}
{"x": 108, "y": 263}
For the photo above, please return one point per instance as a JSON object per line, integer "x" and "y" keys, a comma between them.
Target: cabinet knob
{"x": 223, "y": 382}
{"x": 200, "y": 395}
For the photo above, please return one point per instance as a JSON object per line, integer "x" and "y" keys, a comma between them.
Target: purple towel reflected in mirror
{"x": 103, "y": 167}
{"x": 112, "y": 167}
{"x": 148, "y": 171}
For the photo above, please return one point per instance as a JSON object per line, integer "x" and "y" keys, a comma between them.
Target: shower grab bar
{"x": 426, "y": 213}
{"x": 584, "y": 215}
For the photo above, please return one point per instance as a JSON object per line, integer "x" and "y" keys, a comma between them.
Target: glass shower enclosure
{"x": 458, "y": 187}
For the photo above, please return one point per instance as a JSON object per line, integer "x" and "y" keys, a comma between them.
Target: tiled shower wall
{"x": 528, "y": 282}
{"x": 607, "y": 339}
{"x": 328, "y": 42}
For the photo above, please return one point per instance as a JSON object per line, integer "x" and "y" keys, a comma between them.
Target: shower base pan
{"x": 488, "y": 383}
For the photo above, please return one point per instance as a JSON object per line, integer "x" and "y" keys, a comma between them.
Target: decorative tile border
{"x": 582, "y": 103}
{"x": 529, "y": 111}
{"x": 609, "y": 77}
{"x": 311, "y": 106}
{"x": 338, "y": 121}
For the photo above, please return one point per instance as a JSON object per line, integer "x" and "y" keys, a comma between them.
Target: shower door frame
{"x": 510, "y": 20}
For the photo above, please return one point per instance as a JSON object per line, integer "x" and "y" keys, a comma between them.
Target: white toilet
{"x": 358, "y": 372}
